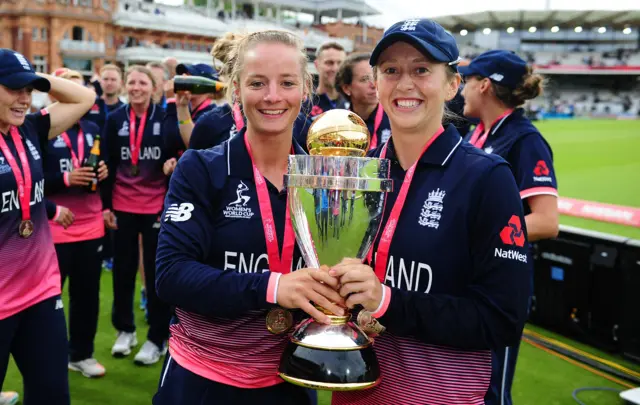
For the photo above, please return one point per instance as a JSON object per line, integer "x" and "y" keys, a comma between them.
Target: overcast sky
{"x": 396, "y": 10}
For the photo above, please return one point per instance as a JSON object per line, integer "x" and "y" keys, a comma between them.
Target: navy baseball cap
{"x": 16, "y": 72}
{"x": 425, "y": 35}
{"x": 502, "y": 67}
{"x": 199, "y": 69}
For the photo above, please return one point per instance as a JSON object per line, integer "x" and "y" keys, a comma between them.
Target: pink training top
{"x": 29, "y": 270}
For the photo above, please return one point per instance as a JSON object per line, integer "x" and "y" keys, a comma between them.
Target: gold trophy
{"x": 336, "y": 199}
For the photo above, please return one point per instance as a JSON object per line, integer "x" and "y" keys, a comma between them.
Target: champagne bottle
{"x": 197, "y": 85}
{"x": 93, "y": 161}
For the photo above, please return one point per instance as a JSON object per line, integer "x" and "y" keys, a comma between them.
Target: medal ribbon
{"x": 24, "y": 183}
{"x": 277, "y": 263}
{"x": 376, "y": 127}
{"x": 387, "y": 234}
{"x": 206, "y": 103}
{"x": 237, "y": 117}
{"x": 136, "y": 141}
{"x": 75, "y": 160}
{"x": 479, "y": 143}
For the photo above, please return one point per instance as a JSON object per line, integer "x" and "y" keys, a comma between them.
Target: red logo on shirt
{"x": 316, "y": 110}
{"x": 513, "y": 234}
{"x": 541, "y": 168}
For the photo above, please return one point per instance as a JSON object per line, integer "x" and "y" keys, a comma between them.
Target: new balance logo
{"x": 58, "y": 304}
{"x": 179, "y": 213}
{"x": 409, "y": 25}
{"x": 513, "y": 234}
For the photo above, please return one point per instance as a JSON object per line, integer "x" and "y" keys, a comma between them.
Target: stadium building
{"x": 85, "y": 34}
{"x": 591, "y": 58}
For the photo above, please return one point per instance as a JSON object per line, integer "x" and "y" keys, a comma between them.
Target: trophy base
{"x": 337, "y": 357}
{"x": 328, "y": 386}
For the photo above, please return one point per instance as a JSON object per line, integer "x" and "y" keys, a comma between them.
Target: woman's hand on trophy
{"x": 358, "y": 284}
{"x": 299, "y": 288}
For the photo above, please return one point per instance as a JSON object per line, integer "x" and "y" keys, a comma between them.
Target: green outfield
{"x": 595, "y": 160}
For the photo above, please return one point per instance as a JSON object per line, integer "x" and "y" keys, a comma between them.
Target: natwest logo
{"x": 512, "y": 234}
{"x": 510, "y": 254}
{"x": 541, "y": 172}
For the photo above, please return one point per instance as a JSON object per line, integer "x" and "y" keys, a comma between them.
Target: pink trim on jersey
{"x": 65, "y": 178}
{"x": 384, "y": 303}
{"x": 530, "y": 192}
{"x": 201, "y": 344}
{"x": 57, "y": 214}
{"x": 415, "y": 373}
{"x": 272, "y": 287}
{"x": 44, "y": 111}
{"x": 87, "y": 224}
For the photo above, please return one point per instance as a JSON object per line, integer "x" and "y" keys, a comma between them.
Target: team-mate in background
{"x": 79, "y": 246}
{"x": 355, "y": 82}
{"x": 184, "y": 110}
{"x": 227, "y": 252}
{"x": 450, "y": 266}
{"x": 31, "y": 314}
{"x": 134, "y": 195}
{"x": 329, "y": 57}
{"x": 162, "y": 77}
{"x": 497, "y": 84}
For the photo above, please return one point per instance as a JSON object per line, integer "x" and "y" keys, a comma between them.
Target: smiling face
{"x": 14, "y": 105}
{"x": 139, "y": 87}
{"x": 271, "y": 87}
{"x": 362, "y": 89}
{"x": 412, "y": 88}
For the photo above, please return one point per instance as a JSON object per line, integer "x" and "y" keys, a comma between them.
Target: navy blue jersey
{"x": 29, "y": 272}
{"x": 519, "y": 142}
{"x": 142, "y": 193}
{"x": 114, "y": 106}
{"x": 457, "y": 276}
{"x": 320, "y": 103}
{"x": 212, "y": 265}
{"x": 86, "y": 206}
{"x": 171, "y": 127}
{"x": 218, "y": 125}
{"x": 384, "y": 130}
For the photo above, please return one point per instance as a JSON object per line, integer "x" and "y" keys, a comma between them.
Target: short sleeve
{"x": 532, "y": 165}
{"x": 41, "y": 123}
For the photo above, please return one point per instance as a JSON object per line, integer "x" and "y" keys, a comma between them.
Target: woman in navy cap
{"x": 227, "y": 257}
{"x": 497, "y": 84}
{"x": 355, "y": 82}
{"x": 31, "y": 315}
{"x": 449, "y": 269}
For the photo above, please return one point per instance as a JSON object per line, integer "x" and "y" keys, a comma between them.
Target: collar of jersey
{"x": 517, "y": 114}
{"x": 238, "y": 159}
{"x": 439, "y": 152}
{"x": 151, "y": 110}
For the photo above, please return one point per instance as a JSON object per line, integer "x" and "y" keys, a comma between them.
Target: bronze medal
{"x": 135, "y": 170}
{"x": 279, "y": 320}
{"x": 369, "y": 324}
{"x": 26, "y": 228}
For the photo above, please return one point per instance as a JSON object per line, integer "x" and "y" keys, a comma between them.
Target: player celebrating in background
{"x": 78, "y": 247}
{"x": 134, "y": 195}
{"x": 31, "y": 315}
{"x": 497, "y": 84}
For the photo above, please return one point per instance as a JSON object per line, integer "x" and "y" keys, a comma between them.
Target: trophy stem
{"x": 336, "y": 319}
